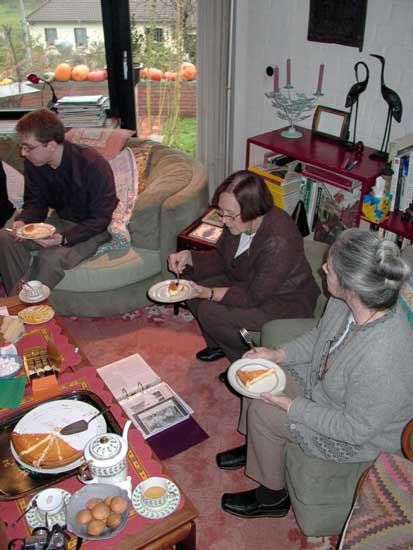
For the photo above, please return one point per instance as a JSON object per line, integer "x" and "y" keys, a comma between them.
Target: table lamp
{"x": 34, "y": 79}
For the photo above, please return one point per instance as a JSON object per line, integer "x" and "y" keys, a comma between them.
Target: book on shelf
{"x": 399, "y": 146}
{"x": 328, "y": 177}
{"x": 394, "y": 183}
{"x": 336, "y": 210}
{"x": 406, "y": 170}
{"x": 207, "y": 232}
{"x": 278, "y": 174}
{"x": 150, "y": 403}
{"x": 213, "y": 218}
{"x": 81, "y": 100}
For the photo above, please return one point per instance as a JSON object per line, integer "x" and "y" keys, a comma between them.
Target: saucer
{"x": 156, "y": 513}
{"x": 28, "y": 300}
{"x": 36, "y": 518}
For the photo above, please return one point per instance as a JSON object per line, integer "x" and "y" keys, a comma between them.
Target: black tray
{"x": 16, "y": 481}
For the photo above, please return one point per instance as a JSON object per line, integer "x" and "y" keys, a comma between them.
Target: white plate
{"x": 78, "y": 502}
{"x": 36, "y": 518}
{"x": 35, "y": 315}
{"x": 28, "y": 300}
{"x": 41, "y": 231}
{"x": 159, "y": 292}
{"x": 57, "y": 414}
{"x": 156, "y": 513}
{"x": 274, "y": 383}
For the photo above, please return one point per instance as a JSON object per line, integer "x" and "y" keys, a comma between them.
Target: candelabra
{"x": 292, "y": 107}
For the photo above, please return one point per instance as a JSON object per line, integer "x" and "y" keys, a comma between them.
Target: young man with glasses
{"x": 71, "y": 187}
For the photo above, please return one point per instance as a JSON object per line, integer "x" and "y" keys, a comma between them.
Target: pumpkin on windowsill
{"x": 80, "y": 72}
{"x": 97, "y": 75}
{"x": 155, "y": 74}
{"x": 170, "y": 75}
{"x": 63, "y": 72}
{"x": 187, "y": 71}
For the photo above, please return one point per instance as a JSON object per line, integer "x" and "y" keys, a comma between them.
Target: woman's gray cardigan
{"x": 362, "y": 404}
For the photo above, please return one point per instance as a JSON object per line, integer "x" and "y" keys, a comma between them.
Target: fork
{"x": 248, "y": 339}
{"x": 178, "y": 275}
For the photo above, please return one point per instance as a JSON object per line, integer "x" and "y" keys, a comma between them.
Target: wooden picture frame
{"x": 331, "y": 123}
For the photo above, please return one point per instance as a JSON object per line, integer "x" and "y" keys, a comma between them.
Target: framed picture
{"x": 331, "y": 123}
{"x": 160, "y": 416}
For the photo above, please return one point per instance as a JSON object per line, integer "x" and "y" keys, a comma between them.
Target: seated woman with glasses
{"x": 257, "y": 272}
{"x": 349, "y": 386}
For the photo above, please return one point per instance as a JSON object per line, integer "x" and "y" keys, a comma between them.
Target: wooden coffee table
{"x": 177, "y": 529}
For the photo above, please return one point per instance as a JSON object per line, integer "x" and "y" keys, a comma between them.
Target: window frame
{"x": 48, "y": 40}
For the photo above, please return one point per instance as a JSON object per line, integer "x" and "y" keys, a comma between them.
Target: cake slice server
{"x": 81, "y": 425}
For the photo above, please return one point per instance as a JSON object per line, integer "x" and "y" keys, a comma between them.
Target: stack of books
{"x": 283, "y": 182}
{"x": 82, "y": 111}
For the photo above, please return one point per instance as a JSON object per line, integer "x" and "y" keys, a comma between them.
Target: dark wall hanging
{"x": 337, "y": 22}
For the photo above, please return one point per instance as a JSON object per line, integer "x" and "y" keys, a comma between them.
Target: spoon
{"x": 31, "y": 507}
{"x": 81, "y": 425}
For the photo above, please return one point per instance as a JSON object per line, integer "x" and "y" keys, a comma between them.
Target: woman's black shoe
{"x": 246, "y": 505}
{"x": 232, "y": 459}
{"x": 210, "y": 354}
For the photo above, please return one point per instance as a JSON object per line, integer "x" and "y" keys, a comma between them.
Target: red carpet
{"x": 168, "y": 343}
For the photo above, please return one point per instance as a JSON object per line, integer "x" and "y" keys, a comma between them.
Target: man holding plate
{"x": 73, "y": 181}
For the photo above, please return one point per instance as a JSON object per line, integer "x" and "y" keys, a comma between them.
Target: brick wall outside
{"x": 157, "y": 91}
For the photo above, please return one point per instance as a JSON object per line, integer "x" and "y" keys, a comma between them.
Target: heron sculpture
{"x": 395, "y": 108}
{"x": 353, "y": 98}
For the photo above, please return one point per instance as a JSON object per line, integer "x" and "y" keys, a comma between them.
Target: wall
{"x": 267, "y": 32}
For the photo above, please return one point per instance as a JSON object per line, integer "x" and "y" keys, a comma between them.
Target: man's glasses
{"x": 29, "y": 148}
{"x": 231, "y": 217}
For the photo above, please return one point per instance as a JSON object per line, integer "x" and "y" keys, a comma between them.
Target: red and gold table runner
{"x": 141, "y": 464}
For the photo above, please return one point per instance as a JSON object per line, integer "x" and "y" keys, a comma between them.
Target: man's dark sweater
{"x": 81, "y": 189}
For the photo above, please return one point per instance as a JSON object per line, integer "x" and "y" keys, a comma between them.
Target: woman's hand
{"x": 276, "y": 355}
{"x": 203, "y": 292}
{"x": 178, "y": 260}
{"x": 281, "y": 401}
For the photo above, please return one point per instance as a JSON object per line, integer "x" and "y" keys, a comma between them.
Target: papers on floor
{"x": 82, "y": 111}
{"x": 150, "y": 403}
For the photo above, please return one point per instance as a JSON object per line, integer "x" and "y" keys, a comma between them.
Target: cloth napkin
{"x": 11, "y": 392}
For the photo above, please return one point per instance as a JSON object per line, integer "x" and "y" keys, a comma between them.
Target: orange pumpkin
{"x": 143, "y": 73}
{"x": 155, "y": 74}
{"x": 80, "y": 72}
{"x": 170, "y": 75}
{"x": 187, "y": 71}
{"x": 97, "y": 75}
{"x": 63, "y": 72}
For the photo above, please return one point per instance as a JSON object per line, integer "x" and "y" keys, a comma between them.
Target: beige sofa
{"x": 176, "y": 192}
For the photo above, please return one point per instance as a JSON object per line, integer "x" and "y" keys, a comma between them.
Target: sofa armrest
{"x": 281, "y": 331}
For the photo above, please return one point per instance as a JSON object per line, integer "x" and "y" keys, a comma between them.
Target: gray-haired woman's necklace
{"x": 325, "y": 366}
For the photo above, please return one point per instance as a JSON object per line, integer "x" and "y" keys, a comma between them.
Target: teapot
{"x": 105, "y": 458}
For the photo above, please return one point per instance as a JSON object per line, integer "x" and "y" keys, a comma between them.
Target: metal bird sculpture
{"x": 353, "y": 98}
{"x": 395, "y": 107}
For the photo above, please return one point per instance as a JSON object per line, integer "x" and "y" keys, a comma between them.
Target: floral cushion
{"x": 109, "y": 142}
{"x": 142, "y": 154}
{"x": 406, "y": 300}
{"x": 126, "y": 181}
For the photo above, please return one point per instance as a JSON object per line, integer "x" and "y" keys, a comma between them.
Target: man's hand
{"x": 203, "y": 292}
{"x": 14, "y": 227}
{"x": 276, "y": 355}
{"x": 54, "y": 240}
{"x": 281, "y": 401}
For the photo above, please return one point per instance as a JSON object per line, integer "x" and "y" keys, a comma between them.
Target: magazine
{"x": 150, "y": 403}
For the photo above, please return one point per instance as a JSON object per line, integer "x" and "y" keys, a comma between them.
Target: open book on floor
{"x": 150, "y": 403}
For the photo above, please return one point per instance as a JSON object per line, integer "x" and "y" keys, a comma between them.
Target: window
{"x": 51, "y": 36}
{"x": 80, "y": 37}
{"x": 157, "y": 33}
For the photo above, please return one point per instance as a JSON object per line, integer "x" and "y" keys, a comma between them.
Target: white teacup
{"x": 33, "y": 290}
{"x": 154, "y": 492}
{"x": 50, "y": 501}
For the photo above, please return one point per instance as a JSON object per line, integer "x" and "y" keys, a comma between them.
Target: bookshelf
{"x": 327, "y": 154}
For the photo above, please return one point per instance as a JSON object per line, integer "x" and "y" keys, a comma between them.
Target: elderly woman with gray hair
{"x": 349, "y": 386}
